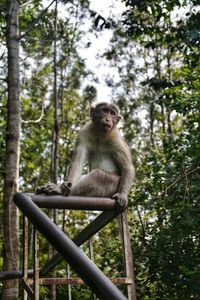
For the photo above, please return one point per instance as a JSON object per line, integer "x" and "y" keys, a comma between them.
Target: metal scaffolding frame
{"x": 68, "y": 249}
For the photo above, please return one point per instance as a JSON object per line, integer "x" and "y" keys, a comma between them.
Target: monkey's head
{"x": 105, "y": 116}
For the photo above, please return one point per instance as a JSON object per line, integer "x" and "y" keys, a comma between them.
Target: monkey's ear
{"x": 119, "y": 118}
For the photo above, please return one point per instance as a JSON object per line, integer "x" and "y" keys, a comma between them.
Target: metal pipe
{"x": 92, "y": 228}
{"x": 81, "y": 264}
{"x": 74, "y": 202}
{"x": 14, "y": 275}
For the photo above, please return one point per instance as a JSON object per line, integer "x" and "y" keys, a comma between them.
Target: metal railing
{"x": 66, "y": 248}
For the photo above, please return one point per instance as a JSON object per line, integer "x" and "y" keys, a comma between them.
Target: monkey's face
{"x": 105, "y": 117}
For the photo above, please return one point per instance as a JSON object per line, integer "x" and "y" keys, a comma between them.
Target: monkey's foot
{"x": 48, "y": 189}
{"x": 121, "y": 201}
{"x": 66, "y": 188}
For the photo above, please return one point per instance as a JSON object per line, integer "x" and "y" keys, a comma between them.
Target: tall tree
{"x": 55, "y": 150}
{"x": 11, "y": 237}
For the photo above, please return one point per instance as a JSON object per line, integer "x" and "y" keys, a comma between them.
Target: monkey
{"x": 99, "y": 143}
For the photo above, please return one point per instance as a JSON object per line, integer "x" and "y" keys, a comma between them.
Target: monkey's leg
{"x": 98, "y": 183}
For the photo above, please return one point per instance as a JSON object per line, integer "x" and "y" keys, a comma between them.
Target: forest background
{"x": 153, "y": 75}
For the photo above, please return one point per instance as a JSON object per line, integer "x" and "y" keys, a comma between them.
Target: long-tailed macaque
{"x": 100, "y": 144}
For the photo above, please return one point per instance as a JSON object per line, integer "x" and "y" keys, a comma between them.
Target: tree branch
{"x": 36, "y": 20}
{"x": 37, "y": 120}
{"x": 186, "y": 173}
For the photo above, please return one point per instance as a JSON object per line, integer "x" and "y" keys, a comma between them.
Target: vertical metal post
{"x": 91, "y": 250}
{"x": 128, "y": 256}
{"x": 25, "y": 253}
{"x": 36, "y": 264}
{"x": 69, "y": 285}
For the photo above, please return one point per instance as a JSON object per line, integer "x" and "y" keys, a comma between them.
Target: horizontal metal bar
{"x": 75, "y": 281}
{"x": 13, "y": 275}
{"x": 81, "y": 264}
{"x": 97, "y": 224}
{"x": 74, "y": 202}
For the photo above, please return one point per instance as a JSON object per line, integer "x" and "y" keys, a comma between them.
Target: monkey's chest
{"x": 103, "y": 161}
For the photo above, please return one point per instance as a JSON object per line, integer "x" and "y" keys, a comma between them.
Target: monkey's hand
{"x": 121, "y": 200}
{"x": 48, "y": 189}
{"x": 66, "y": 188}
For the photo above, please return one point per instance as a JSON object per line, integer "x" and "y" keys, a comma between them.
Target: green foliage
{"x": 157, "y": 57}
{"x": 161, "y": 107}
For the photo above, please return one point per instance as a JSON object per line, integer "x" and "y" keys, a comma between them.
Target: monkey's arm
{"x": 73, "y": 176}
{"x": 127, "y": 174}
{"x": 75, "y": 169}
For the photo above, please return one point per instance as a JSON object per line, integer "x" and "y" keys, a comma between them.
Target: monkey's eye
{"x": 113, "y": 112}
{"x": 105, "y": 110}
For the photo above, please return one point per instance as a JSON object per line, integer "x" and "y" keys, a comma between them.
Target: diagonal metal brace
{"x": 97, "y": 224}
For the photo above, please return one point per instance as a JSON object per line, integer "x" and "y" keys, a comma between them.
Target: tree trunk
{"x": 152, "y": 124}
{"x": 11, "y": 220}
{"x": 55, "y": 146}
{"x": 169, "y": 129}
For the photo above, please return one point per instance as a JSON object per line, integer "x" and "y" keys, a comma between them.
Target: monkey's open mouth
{"x": 106, "y": 126}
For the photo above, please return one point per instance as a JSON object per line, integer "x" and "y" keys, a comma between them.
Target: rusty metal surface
{"x": 36, "y": 265}
{"x": 128, "y": 256}
{"x": 25, "y": 257}
{"x": 75, "y": 281}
